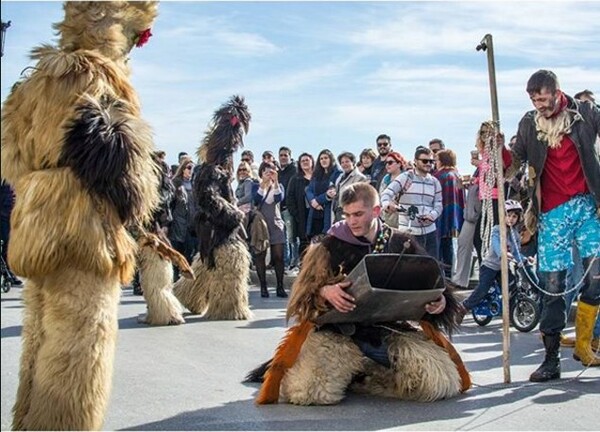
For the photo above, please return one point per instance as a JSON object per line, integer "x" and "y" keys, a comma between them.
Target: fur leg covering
{"x": 220, "y": 292}
{"x": 32, "y": 339}
{"x": 156, "y": 277}
{"x": 323, "y": 371}
{"x": 422, "y": 371}
{"x": 69, "y": 337}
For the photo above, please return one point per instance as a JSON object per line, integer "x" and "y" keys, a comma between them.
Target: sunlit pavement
{"x": 189, "y": 377}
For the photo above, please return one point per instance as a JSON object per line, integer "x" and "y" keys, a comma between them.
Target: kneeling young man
{"x": 315, "y": 365}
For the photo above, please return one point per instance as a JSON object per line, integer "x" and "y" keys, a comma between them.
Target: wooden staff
{"x": 486, "y": 44}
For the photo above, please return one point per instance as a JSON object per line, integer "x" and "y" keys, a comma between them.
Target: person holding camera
{"x": 420, "y": 189}
{"x": 267, "y": 198}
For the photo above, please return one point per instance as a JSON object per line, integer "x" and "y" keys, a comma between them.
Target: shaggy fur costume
{"x": 222, "y": 266}
{"x": 330, "y": 362}
{"x": 155, "y": 262}
{"x": 220, "y": 293}
{"x": 79, "y": 155}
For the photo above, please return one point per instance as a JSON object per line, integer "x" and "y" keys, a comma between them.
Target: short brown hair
{"x": 447, "y": 158}
{"x": 361, "y": 191}
{"x": 369, "y": 153}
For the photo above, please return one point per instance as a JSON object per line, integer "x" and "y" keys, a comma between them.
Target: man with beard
{"x": 557, "y": 140}
{"x": 417, "y": 189}
{"x": 384, "y": 146}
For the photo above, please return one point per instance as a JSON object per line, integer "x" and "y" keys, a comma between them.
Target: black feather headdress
{"x": 225, "y": 134}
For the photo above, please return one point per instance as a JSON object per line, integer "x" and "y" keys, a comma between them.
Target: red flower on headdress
{"x": 234, "y": 120}
{"x": 143, "y": 37}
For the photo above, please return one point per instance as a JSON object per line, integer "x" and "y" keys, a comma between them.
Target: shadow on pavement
{"x": 361, "y": 412}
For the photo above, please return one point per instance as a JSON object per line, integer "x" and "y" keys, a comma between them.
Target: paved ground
{"x": 189, "y": 378}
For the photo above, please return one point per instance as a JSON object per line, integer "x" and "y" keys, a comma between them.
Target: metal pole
{"x": 5, "y": 26}
{"x": 487, "y": 45}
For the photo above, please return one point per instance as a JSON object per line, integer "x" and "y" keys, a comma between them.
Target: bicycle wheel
{"x": 6, "y": 284}
{"x": 481, "y": 320}
{"x": 524, "y": 314}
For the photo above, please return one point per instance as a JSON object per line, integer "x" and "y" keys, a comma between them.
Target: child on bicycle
{"x": 490, "y": 266}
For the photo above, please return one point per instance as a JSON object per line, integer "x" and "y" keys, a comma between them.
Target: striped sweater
{"x": 423, "y": 192}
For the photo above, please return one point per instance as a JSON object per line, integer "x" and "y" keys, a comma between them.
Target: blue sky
{"x": 336, "y": 74}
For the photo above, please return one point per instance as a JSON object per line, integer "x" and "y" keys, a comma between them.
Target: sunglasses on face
{"x": 390, "y": 162}
{"x": 242, "y": 170}
{"x": 245, "y": 160}
{"x": 189, "y": 167}
{"x": 427, "y": 161}
{"x": 383, "y": 144}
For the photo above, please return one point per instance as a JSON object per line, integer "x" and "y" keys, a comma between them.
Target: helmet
{"x": 512, "y": 205}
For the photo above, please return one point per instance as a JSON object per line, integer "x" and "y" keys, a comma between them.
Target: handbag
{"x": 257, "y": 228}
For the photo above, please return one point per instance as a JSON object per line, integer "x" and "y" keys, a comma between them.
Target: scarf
{"x": 552, "y": 130}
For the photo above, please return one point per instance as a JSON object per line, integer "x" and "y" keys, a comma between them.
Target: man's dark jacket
{"x": 584, "y": 132}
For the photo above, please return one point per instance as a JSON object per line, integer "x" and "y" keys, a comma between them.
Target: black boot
{"x": 550, "y": 368}
{"x": 264, "y": 292}
{"x": 137, "y": 287}
{"x": 281, "y": 291}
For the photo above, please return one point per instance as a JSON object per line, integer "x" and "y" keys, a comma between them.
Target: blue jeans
{"x": 487, "y": 276}
{"x": 447, "y": 255}
{"x": 290, "y": 250}
{"x": 430, "y": 242}
{"x": 378, "y": 354}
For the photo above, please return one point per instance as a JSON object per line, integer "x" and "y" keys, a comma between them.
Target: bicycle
{"x": 524, "y": 300}
{"x": 6, "y": 277}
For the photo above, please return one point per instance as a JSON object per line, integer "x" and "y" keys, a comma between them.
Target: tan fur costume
{"x": 155, "y": 262}
{"x": 329, "y": 361}
{"x": 79, "y": 156}
{"x": 320, "y": 369}
{"x": 217, "y": 293}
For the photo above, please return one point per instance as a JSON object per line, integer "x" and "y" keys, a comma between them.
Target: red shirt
{"x": 563, "y": 177}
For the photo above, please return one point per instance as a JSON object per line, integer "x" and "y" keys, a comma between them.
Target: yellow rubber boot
{"x": 584, "y": 326}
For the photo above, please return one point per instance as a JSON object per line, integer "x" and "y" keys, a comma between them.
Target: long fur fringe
{"x": 156, "y": 277}
{"x": 285, "y": 356}
{"x": 225, "y": 133}
{"x": 68, "y": 349}
{"x": 108, "y": 26}
{"x": 101, "y": 147}
{"x": 439, "y": 339}
{"x": 323, "y": 371}
{"x": 421, "y": 371}
{"x": 305, "y": 303}
{"x": 220, "y": 293}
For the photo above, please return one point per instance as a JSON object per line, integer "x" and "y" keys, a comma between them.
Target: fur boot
{"x": 323, "y": 371}
{"x": 219, "y": 292}
{"x": 69, "y": 343}
{"x": 156, "y": 276}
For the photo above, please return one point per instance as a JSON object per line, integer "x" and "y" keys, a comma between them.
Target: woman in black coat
{"x": 295, "y": 198}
